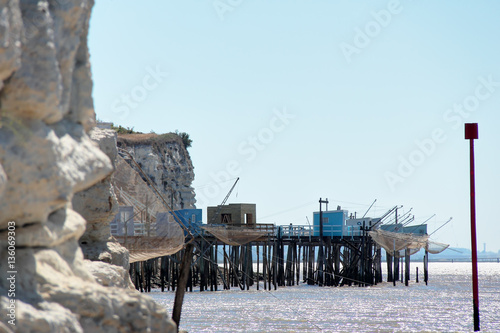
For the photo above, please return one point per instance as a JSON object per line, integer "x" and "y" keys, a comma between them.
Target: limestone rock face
{"x": 10, "y": 38}
{"x": 109, "y": 275}
{"x": 167, "y": 163}
{"x": 98, "y": 205}
{"x": 46, "y": 155}
{"x": 44, "y": 166}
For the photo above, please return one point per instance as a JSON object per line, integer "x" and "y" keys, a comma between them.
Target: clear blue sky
{"x": 307, "y": 99}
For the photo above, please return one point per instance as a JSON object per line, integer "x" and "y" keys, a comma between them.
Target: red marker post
{"x": 471, "y": 133}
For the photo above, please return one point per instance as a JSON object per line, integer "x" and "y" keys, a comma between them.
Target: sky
{"x": 302, "y": 100}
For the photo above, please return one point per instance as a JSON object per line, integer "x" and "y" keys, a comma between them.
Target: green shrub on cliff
{"x": 153, "y": 137}
{"x": 185, "y": 138}
{"x": 125, "y": 130}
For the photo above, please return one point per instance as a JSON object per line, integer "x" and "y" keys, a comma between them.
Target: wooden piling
{"x": 407, "y": 266}
{"x": 402, "y": 270}
{"x": 297, "y": 256}
{"x": 305, "y": 255}
{"x": 310, "y": 263}
{"x": 325, "y": 262}
{"x": 179, "y": 295}
{"x": 276, "y": 261}
{"x": 426, "y": 267}
{"x": 388, "y": 259}
{"x": 264, "y": 264}
{"x": 337, "y": 250}
{"x": 258, "y": 268}
{"x": 396, "y": 267}
{"x": 320, "y": 268}
{"x": 378, "y": 275}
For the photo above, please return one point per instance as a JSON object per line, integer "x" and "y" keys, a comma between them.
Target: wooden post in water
{"x": 227, "y": 268}
{"x": 249, "y": 256}
{"x": 173, "y": 274}
{"x": 236, "y": 265}
{"x": 276, "y": 260}
{"x": 304, "y": 263}
{"x": 396, "y": 269}
{"x": 289, "y": 266}
{"x": 211, "y": 267}
{"x": 190, "y": 278}
{"x": 426, "y": 268}
{"x": 337, "y": 264}
{"x": 164, "y": 272}
{"x": 388, "y": 259}
{"x": 407, "y": 266}
{"x": 297, "y": 264}
{"x": 320, "y": 268}
{"x": 310, "y": 271}
{"x": 362, "y": 261}
{"x": 270, "y": 266}
{"x": 133, "y": 267}
{"x": 281, "y": 259}
{"x": 227, "y": 285}
{"x": 328, "y": 262}
{"x": 216, "y": 265}
{"x": 243, "y": 262}
{"x": 147, "y": 275}
{"x": 402, "y": 270}
{"x": 179, "y": 295}
{"x": 378, "y": 265}
{"x": 264, "y": 264}
{"x": 139, "y": 271}
{"x": 202, "y": 266}
{"x": 258, "y": 263}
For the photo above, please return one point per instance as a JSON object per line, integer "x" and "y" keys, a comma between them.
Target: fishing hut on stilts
{"x": 234, "y": 251}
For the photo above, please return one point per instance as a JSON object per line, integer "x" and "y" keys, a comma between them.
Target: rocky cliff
{"x": 46, "y": 156}
{"x": 98, "y": 205}
{"x": 166, "y": 161}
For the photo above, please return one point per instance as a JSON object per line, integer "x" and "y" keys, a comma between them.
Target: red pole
{"x": 471, "y": 133}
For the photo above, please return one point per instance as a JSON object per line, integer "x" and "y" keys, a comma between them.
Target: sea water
{"x": 444, "y": 305}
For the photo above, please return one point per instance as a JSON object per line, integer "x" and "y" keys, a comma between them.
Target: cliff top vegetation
{"x": 135, "y": 137}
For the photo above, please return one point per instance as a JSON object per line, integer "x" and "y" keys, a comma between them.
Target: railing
{"x": 288, "y": 231}
{"x": 267, "y": 229}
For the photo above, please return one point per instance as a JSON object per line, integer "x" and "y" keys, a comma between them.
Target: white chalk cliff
{"x": 46, "y": 156}
{"x": 166, "y": 162}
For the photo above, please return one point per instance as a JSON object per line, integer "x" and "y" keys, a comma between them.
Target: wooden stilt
{"x": 310, "y": 271}
{"x": 337, "y": 264}
{"x": 407, "y": 266}
{"x": 264, "y": 264}
{"x": 426, "y": 267}
{"x": 388, "y": 259}
{"x": 297, "y": 256}
{"x": 179, "y": 295}
{"x": 396, "y": 268}
{"x": 258, "y": 268}
{"x": 305, "y": 250}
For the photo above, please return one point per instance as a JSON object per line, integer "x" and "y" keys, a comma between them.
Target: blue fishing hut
{"x": 190, "y": 218}
{"x": 333, "y": 222}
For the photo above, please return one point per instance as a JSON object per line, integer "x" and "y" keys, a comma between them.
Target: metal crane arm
{"x": 219, "y": 208}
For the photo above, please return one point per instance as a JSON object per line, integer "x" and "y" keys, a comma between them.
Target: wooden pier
{"x": 278, "y": 260}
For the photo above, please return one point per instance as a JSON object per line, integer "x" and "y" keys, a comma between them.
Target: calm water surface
{"x": 444, "y": 305}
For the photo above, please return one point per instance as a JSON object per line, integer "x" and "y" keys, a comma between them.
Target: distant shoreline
{"x": 497, "y": 260}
